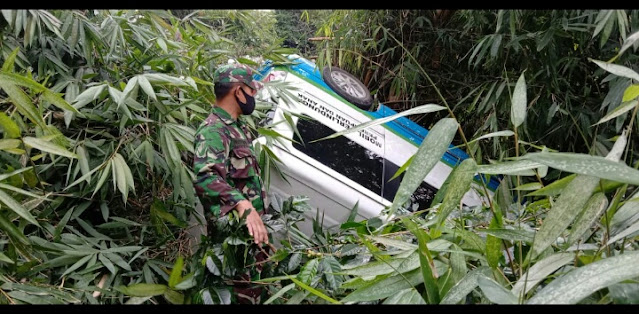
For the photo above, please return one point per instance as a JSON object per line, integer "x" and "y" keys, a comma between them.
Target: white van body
{"x": 335, "y": 173}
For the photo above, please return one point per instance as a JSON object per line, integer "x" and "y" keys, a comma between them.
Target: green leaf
{"x": 10, "y": 128}
{"x": 495, "y": 292}
{"x": 616, "y": 69}
{"x": 417, "y": 110}
{"x": 17, "y": 208}
{"x": 631, "y": 93}
{"x": 77, "y": 265}
{"x": 119, "y": 165}
{"x": 146, "y": 86}
{"x": 308, "y": 271}
{"x": 623, "y": 108}
{"x": 595, "y": 166}
{"x": 593, "y": 209}
{"x": 9, "y": 144}
{"x": 540, "y": 271}
{"x": 313, "y": 290}
{"x": 6, "y": 259}
{"x": 176, "y": 272}
{"x": 103, "y": 176}
{"x": 553, "y": 188}
{"x": 586, "y": 280}
{"x": 532, "y": 186}
{"x": 406, "y": 296}
{"x": 510, "y": 234}
{"x": 8, "y": 65}
{"x": 88, "y": 95}
{"x": 428, "y": 155}
{"x": 143, "y": 289}
{"x": 84, "y": 162}
{"x": 568, "y": 205}
{"x": 12, "y": 231}
{"x": 494, "y": 134}
{"x": 58, "y": 101}
{"x": 467, "y": 284}
{"x": 107, "y": 263}
{"x": 429, "y": 272}
{"x": 376, "y": 268}
{"x": 463, "y": 178}
{"x": 385, "y": 288}
{"x": 279, "y": 293}
{"x": 48, "y": 147}
{"x": 174, "y": 297}
{"x": 518, "y": 167}
{"x": 22, "y": 102}
{"x": 519, "y": 102}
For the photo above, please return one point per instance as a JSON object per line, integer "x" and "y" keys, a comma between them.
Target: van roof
{"x": 405, "y": 127}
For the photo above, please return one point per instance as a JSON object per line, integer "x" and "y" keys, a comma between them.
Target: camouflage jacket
{"x": 225, "y": 165}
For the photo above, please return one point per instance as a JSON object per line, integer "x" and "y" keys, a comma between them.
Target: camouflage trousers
{"x": 243, "y": 290}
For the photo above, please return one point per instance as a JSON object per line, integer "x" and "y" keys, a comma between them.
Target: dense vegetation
{"x": 97, "y": 116}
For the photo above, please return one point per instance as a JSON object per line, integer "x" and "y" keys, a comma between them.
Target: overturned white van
{"x": 356, "y": 168}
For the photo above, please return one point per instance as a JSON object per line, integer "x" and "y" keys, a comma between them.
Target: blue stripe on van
{"x": 402, "y": 125}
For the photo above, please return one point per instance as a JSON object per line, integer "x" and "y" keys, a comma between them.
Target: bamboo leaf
{"x": 623, "y": 108}
{"x": 119, "y": 165}
{"x": 429, "y": 272}
{"x": 5, "y": 259}
{"x": 143, "y": 289}
{"x": 428, "y": 155}
{"x": 12, "y": 231}
{"x": 593, "y": 209}
{"x": 48, "y": 147}
{"x": 616, "y": 69}
{"x": 10, "y": 128}
{"x": 7, "y": 144}
{"x": 22, "y": 102}
{"x": 77, "y": 265}
{"x": 84, "y": 162}
{"x": 518, "y": 167}
{"x": 88, "y": 95}
{"x": 540, "y": 271}
{"x": 494, "y": 134}
{"x": 495, "y": 292}
{"x": 406, "y": 296}
{"x": 553, "y": 188}
{"x": 279, "y": 293}
{"x": 8, "y": 65}
{"x": 463, "y": 178}
{"x": 103, "y": 177}
{"x": 376, "y": 268}
{"x": 386, "y": 287}
{"x": 519, "y": 102}
{"x": 107, "y": 263}
{"x": 595, "y": 166}
{"x": 146, "y": 86}
{"x": 584, "y": 281}
{"x": 176, "y": 273}
{"x": 313, "y": 290}
{"x": 511, "y": 234}
{"x": 564, "y": 211}
{"x": 17, "y": 208}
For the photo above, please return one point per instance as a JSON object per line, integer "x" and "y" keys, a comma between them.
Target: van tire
{"x": 347, "y": 86}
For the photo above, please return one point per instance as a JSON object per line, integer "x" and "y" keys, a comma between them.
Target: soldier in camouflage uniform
{"x": 228, "y": 175}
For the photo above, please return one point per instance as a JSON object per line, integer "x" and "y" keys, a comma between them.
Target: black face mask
{"x": 249, "y": 105}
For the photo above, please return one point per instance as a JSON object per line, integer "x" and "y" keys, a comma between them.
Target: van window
{"x": 356, "y": 162}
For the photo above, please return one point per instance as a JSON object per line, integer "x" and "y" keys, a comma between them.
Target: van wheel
{"x": 348, "y": 86}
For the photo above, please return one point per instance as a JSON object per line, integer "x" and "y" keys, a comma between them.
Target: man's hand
{"x": 254, "y": 222}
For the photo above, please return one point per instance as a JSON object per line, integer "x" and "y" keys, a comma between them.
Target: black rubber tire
{"x": 348, "y": 86}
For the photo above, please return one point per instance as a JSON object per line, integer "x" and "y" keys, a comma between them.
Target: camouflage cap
{"x": 232, "y": 73}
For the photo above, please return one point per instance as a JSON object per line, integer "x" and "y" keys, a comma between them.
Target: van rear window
{"x": 356, "y": 163}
